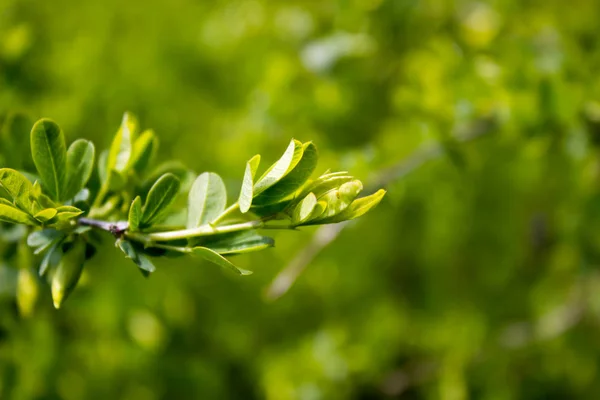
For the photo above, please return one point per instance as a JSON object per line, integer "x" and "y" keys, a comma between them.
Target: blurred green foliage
{"x": 477, "y": 276}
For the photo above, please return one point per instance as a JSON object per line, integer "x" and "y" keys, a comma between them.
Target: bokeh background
{"x": 478, "y": 275}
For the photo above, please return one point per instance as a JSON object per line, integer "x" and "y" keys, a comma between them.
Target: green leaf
{"x": 49, "y": 154}
{"x": 103, "y": 166}
{"x": 65, "y": 213}
{"x": 161, "y": 196}
{"x": 18, "y": 187}
{"x": 272, "y": 209}
{"x": 216, "y": 258}
{"x": 80, "y": 163}
{"x": 239, "y": 242}
{"x": 304, "y": 209}
{"x": 246, "y": 194}
{"x": 135, "y": 214}
{"x": 207, "y": 199}
{"x": 52, "y": 257}
{"x": 143, "y": 262}
{"x": 325, "y": 183}
{"x": 42, "y": 239}
{"x": 287, "y": 162}
{"x": 45, "y": 215}
{"x": 9, "y": 213}
{"x": 122, "y": 145}
{"x": 144, "y": 150}
{"x": 339, "y": 199}
{"x": 67, "y": 273}
{"x": 358, "y": 208}
{"x": 293, "y": 180}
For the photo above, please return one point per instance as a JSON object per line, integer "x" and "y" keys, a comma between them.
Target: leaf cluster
{"x": 160, "y": 210}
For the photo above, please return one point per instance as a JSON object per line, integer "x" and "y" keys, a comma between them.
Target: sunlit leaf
{"x": 122, "y": 144}
{"x": 80, "y": 162}
{"x": 49, "y": 154}
{"x": 304, "y": 209}
{"x": 9, "y": 213}
{"x": 216, "y": 258}
{"x": 247, "y": 192}
{"x": 358, "y": 208}
{"x": 46, "y": 214}
{"x": 287, "y": 162}
{"x": 65, "y": 213}
{"x": 339, "y": 199}
{"x": 207, "y": 199}
{"x": 18, "y": 187}
{"x": 161, "y": 196}
{"x": 324, "y": 184}
{"x": 293, "y": 180}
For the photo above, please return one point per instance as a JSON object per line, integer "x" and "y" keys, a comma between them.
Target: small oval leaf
{"x": 46, "y": 214}
{"x": 216, "y": 258}
{"x": 49, "y": 153}
{"x": 18, "y": 187}
{"x": 207, "y": 199}
{"x": 246, "y": 194}
{"x": 80, "y": 162}
{"x": 161, "y": 196}
{"x": 15, "y": 216}
{"x": 293, "y": 180}
{"x": 287, "y": 162}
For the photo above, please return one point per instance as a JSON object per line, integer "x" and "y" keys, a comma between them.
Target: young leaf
{"x": 69, "y": 211}
{"x": 49, "y": 154}
{"x": 122, "y": 145}
{"x": 143, "y": 262}
{"x": 216, "y": 258}
{"x": 161, "y": 196}
{"x": 304, "y": 209}
{"x": 135, "y": 214}
{"x": 65, "y": 213}
{"x": 324, "y": 184}
{"x": 287, "y": 162}
{"x": 240, "y": 242}
{"x": 339, "y": 199}
{"x": 144, "y": 150}
{"x": 358, "y": 208}
{"x": 246, "y": 194}
{"x": 18, "y": 187}
{"x": 45, "y": 215}
{"x": 9, "y": 213}
{"x": 80, "y": 162}
{"x": 207, "y": 199}
{"x": 293, "y": 180}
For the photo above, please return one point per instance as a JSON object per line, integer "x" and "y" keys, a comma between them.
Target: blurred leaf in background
{"x": 478, "y": 275}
